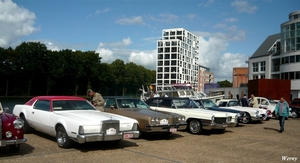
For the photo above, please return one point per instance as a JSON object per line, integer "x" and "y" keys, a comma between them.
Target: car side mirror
{"x": 112, "y": 107}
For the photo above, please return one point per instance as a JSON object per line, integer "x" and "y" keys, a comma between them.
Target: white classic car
{"x": 197, "y": 119}
{"x": 74, "y": 119}
{"x": 269, "y": 104}
{"x": 252, "y": 114}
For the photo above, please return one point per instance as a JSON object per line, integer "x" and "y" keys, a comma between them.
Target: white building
{"x": 278, "y": 57}
{"x": 177, "y": 57}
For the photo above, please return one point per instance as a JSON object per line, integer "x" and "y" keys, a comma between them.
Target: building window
{"x": 160, "y": 50}
{"x": 297, "y": 75}
{"x": 167, "y": 69}
{"x": 159, "y": 76}
{"x": 173, "y": 63}
{"x": 292, "y": 75}
{"x": 159, "y": 63}
{"x": 173, "y": 56}
{"x": 255, "y": 76}
{"x": 167, "y": 63}
{"x": 286, "y": 59}
{"x": 173, "y": 69}
{"x": 255, "y": 67}
{"x": 292, "y": 59}
{"x": 263, "y": 66}
{"x": 173, "y": 76}
{"x": 167, "y": 56}
{"x": 262, "y": 76}
{"x": 159, "y": 69}
{"x": 167, "y": 49}
{"x": 159, "y": 56}
{"x": 297, "y": 58}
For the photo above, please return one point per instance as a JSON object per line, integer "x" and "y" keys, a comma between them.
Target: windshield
{"x": 62, "y": 105}
{"x": 184, "y": 103}
{"x": 272, "y": 101}
{"x": 209, "y": 103}
{"x": 126, "y": 103}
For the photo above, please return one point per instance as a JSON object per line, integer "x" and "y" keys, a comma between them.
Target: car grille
{"x": 220, "y": 120}
{"x": 110, "y": 124}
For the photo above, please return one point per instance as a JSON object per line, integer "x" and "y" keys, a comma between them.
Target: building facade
{"x": 278, "y": 57}
{"x": 177, "y": 57}
{"x": 204, "y": 76}
{"x": 240, "y": 76}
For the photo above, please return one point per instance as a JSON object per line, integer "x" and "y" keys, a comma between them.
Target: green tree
{"x": 224, "y": 83}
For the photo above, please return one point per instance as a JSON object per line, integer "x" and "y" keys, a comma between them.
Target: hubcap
{"x": 194, "y": 126}
{"x": 61, "y": 137}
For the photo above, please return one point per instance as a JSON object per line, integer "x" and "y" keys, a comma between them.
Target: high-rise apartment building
{"x": 278, "y": 57}
{"x": 177, "y": 57}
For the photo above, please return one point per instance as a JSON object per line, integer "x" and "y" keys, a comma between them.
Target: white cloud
{"x": 144, "y": 58}
{"x": 212, "y": 55}
{"x": 231, "y": 20}
{"x": 15, "y": 22}
{"x": 136, "y": 20}
{"x": 244, "y": 6}
{"x": 102, "y": 11}
{"x": 106, "y": 55}
{"x": 165, "y": 18}
{"x": 120, "y": 44}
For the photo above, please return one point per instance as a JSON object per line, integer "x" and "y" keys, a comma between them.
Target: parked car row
{"x": 73, "y": 119}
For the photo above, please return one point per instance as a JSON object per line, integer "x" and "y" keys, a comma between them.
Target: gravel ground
{"x": 251, "y": 143}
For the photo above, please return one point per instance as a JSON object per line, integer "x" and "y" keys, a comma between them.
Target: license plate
{"x": 173, "y": 129}
{"x": 127, "y": 136}
{"x": 224, "y": 125}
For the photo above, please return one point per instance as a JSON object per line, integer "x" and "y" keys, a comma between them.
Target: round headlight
{"x": 8, "y": 134}
{"x": 18, "y": 124}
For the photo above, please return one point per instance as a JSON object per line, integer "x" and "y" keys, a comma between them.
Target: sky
{"x": 230, "y": 31}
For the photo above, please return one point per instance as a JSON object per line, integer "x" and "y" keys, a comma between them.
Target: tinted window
{"x": 61, "y": 105}
{"x": 42, "y": 105}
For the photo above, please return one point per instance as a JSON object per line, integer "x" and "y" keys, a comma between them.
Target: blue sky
{"x": 229, "y": 30}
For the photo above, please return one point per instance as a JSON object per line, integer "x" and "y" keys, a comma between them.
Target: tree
{"x": 224, "y": 83}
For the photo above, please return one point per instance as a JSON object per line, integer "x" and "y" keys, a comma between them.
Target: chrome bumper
{"x": 257, "y": 117}
{"x": 165, "y": 128}
{"x": 104, "y": 137}
{"x": 12, "y": 142}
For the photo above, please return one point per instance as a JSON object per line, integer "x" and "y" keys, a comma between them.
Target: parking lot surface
{"x": 257, "y": 142}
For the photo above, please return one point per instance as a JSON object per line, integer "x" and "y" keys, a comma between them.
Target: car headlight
{"x": 81, "y": 130}
{"x": 238, "y": 114}
{"x": 18, "y": 124}
{"x": 135, "y": 127}
{"x": 154, "y": 119}
{"x": 181, "y": 118}
{"x": 8, "y": 134}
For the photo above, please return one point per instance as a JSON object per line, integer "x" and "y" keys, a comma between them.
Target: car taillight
{"x": 269, "y": 112}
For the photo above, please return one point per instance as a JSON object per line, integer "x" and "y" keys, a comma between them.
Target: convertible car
{"x": 11, "y": 130}
{"x": 149, "y": 120}
{"x": 74, "y": 119}
{"x": 197, "y": 119}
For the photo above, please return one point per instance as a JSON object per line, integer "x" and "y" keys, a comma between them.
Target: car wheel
{"x": 247, "y": 119}
{"x": 14, "y": 148}
{"x": 26, "y": 128}
{"x": 294, "y": 114}
{"x": 195, "y": 126}
{"x": 62, "y": 138}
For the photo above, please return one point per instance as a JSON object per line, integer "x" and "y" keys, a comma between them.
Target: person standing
{"x": 253, "y": 101}
{"x": 282, "y": 110}
{"x": 244, "y": 101}
{"x": 96, "y": 99}
{"x": 156, "y": 94}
